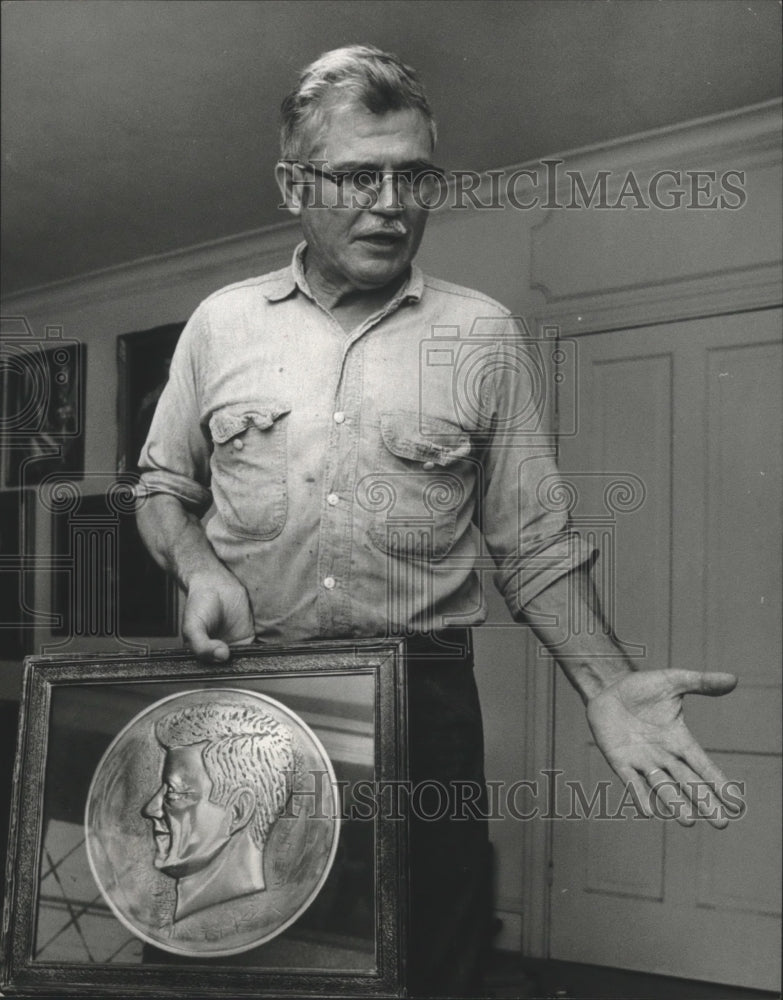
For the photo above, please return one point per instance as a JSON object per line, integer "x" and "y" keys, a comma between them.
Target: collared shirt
{"x": 364, "y": 483}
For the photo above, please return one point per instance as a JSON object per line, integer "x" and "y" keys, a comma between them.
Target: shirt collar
{"x": 284, "y": 282}
{"x": 293, "y": 277}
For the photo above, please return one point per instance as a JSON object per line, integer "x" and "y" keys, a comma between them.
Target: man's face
{"x": 189, "y": 830}
{"x": 362, "y": 248}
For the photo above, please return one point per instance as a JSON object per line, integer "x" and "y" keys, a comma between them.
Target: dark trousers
{"x": 450, "y": 892}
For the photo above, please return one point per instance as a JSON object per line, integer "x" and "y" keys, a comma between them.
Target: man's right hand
{"x": 217, "y": 608}
{"x": 217, "y": 612}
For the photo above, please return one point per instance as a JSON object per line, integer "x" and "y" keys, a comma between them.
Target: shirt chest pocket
{"x": 422, "y": 479}
{"x": 249, "y": 467}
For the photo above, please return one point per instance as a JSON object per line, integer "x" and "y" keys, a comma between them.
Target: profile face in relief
{"x": 226, "y": 778}
{"x": 189, "y": 829}
{"x": 202, "y": 830}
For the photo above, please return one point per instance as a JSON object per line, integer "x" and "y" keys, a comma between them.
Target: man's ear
{"x": 289, "y": 180}
{"x": 241, "y": 806}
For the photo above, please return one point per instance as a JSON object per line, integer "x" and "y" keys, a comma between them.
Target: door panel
{"x": 694, "y": 410}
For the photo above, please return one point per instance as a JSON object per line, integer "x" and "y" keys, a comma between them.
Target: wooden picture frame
{"x": 64, "y": 936}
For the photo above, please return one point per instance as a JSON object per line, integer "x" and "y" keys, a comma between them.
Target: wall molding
{"x": 600, "y": 270}
{"x": 256, "y": 251}
{"x": 752, "y": 134}
{"x": 737, "y": 290}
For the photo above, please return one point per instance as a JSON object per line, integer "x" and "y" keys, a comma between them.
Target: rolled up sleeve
{"x": 525, "y": 504}
{"x": 175, "y": 456}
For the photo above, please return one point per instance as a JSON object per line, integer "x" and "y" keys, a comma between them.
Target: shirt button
{"x": 239, "y": 444}
{"x": 332, "y": 499}
{"x": 339, "y": 417}
{"x": 330, "y": 583}
{"x": 428, "y": 466}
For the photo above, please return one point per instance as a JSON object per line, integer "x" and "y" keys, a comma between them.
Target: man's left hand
{"x": 637, "y": 723}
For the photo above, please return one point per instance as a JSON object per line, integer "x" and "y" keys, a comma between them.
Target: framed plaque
{"x": 182, "y": 829}
{"x": 143, "y": 360}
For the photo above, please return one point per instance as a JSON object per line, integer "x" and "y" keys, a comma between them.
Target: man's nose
{"x": 152, "y": 809}
{"x": 387, "y": 198}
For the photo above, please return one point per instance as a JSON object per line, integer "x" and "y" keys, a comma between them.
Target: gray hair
{"x": 245, "y": 748}
{"x": 378, "y": 79}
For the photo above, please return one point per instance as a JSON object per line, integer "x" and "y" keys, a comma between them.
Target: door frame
{"x": 740, "y": 290}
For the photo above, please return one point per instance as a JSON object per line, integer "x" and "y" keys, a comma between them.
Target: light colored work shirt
{"x": 363, "y": 483}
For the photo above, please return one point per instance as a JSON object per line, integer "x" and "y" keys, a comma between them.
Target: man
{"x": 355, "y": 488}
{"x": 226, "y": 779}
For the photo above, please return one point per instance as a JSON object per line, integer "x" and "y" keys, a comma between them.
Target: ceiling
{"x": 135, "y": 127}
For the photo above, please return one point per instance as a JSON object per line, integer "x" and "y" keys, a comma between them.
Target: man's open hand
{"x": 217, "y": 612}
{"x": 637, "y": 723}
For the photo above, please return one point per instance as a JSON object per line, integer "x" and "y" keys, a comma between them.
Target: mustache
{"x": 391, "y": 228}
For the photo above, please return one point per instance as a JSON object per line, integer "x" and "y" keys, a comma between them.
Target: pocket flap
{"x": 424, "y": 439}
{"x": 229, "y": 421}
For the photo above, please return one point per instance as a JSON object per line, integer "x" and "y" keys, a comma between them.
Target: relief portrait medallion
{"x": 212, "y": 821}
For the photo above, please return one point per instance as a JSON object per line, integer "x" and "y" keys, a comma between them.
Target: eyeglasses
{"x": 422, "y": 184}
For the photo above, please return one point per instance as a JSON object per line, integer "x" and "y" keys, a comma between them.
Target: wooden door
{"x": 693, "y": 409}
